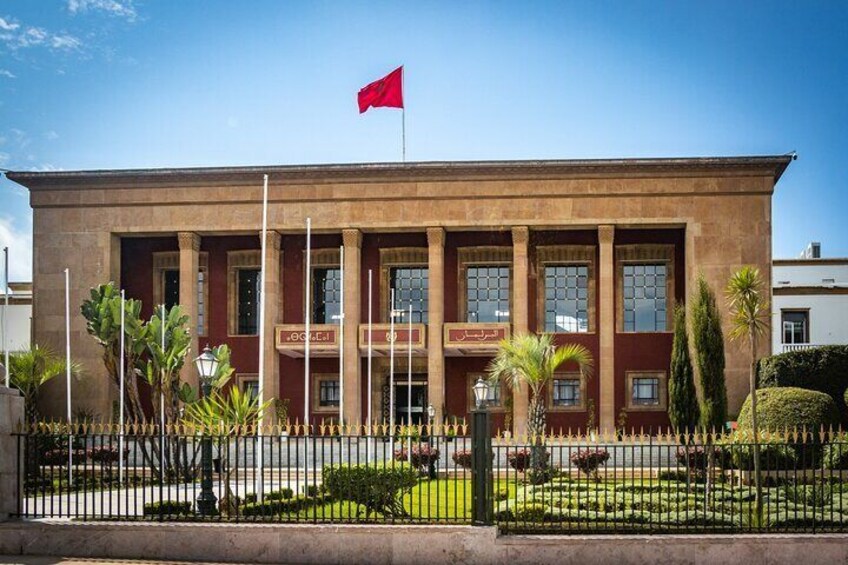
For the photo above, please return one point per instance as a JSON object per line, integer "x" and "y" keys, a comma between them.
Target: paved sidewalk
{"x": 43, "y": 560}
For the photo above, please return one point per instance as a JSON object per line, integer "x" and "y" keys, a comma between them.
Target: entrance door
{"x": 419, "y": 404}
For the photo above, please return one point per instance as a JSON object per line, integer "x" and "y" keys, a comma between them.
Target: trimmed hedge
{"x": 168, "y": 508}
{"x": 824, "y": 369}
{"x": 378, "y": 487}
{"x": 782, "y": 408}
{"x": 836, "y": 453}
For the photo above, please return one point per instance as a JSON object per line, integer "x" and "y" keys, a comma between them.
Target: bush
{"x": 824, "y": 369}
{"x": 529, "y": 512}
{"x": 422, "y": 456}
{"x": 501, "y": 494}
{"x": 282, "y": 494}
{"x": 377, "y": 487}
{"x": 520, "y": 459}
{"x": 696, "y": 457}
{"x": 589, "y": 460}
{"x": 836, "y": 453}
{"x": 787, "y": 408}
{"x": 168, "y": 508}
{"x": 463, "y": 458}
{"x": 775, "y": 454}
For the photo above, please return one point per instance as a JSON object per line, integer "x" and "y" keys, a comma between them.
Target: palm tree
{"x": 533, "y": 360}
{"x": 749, "y": 317}
{"x": 29, "y": 370}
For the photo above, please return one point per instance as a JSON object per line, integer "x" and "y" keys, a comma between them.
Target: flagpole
{"x": 409, "y": 381}
{"x": 162, "y": 399}
{"x": 370, "y": 421}
{"x": 6, "y": 314}
{"x": 259, "y": 451}
{"x": 341, "y": 336}
{"x": 307, "y": 340}
{"x": 403, "y": 115}
{"x": 392, "y": 373}
{"x": 121, "y": 403}
{"x": 68, "y": 375}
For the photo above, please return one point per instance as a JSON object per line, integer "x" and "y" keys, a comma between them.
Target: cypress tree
{"x": 682, "y": 397}
{"x": 709, "y": 356}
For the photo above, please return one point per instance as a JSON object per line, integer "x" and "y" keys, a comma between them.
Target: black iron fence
{"x": 663, "y": 483}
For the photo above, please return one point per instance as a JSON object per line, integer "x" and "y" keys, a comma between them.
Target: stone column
{"x": 435, "y": 321}
{"x": 11, "y": 413}
{"x": 189, "y": 267}
{"x": 520, "y": 316}
{"x": 352, "y": 239}
{"x": 606, "y": 327}
{"x": 270, "y": 304}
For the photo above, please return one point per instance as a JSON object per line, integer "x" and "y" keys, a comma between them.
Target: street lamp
{"x": 207, "y": 366}
{"x": 431, "y": 464}
{"x": 481, "y": 393}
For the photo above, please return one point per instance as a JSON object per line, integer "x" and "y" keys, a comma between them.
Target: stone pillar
{"x": 270, "y": 304}
{"x": 352, "y": 239}
{"x": 606, "y": 327}
{"x": 435, "y": 321}
{"x": 189, "y": 267}
{"x": 11, "y": 413}
{"x": 520, "y": 316}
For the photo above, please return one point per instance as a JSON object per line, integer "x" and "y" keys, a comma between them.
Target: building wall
{"x": 724, "y": 212}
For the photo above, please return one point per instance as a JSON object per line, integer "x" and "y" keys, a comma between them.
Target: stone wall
{"x": 11, "y": 414}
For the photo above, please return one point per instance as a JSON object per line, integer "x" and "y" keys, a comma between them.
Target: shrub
{"x": 836, "y": 453}
{"x": 589, "y": 460}
{"x": 501, "y": 494}
{"x": 422, "y": 455}
{"x": 105, "y": 454}
{"x": 168, "y": 508}
{"x": 775, "y": 454}
{"x": 463, "y": 458}
{"x": 520, "y": 459}
{"x": 824, "y": 369}
{"x": 265, "y": 508}
{"x": 529, "y": 512}
{"x": 695, "y": 457}
{"x": 282, "y": 494}
{"x": 377, "y": 487}
{"x": 679, "y": 476}
{"x": 782, "y": 408}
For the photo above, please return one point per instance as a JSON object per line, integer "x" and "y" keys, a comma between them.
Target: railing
{"x": 787, "y": 347}
{"x": 638, "y": 483}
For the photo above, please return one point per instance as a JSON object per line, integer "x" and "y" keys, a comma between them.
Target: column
{"x": 352, "y": 240}
{"x": 270, "y": 304}
{"x": 606, "y": 328}
{"x": 520, "y": 316}
{"x": 189, "y": 267}
{"x": 436, "y": 320}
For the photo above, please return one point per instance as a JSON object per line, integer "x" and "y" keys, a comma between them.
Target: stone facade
{"x": 720, "y": 209}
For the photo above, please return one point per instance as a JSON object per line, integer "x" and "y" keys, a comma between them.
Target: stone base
{"x": 430, "y": 545}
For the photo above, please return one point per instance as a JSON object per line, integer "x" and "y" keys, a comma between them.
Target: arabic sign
{"x": 461, "y": 335}
{"x": 294, "y": 336}
{"x": 382, "y": 337}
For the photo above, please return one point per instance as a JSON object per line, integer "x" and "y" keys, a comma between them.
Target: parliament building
{"x": 595, "y": 252}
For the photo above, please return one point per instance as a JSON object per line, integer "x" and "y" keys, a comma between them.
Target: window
{"x": 488, "y": 294}
{"x": 796, "y": 326}
{"x": 410, "y": 285}
{"x": 328, "y": 393}
{"x": 566, "y": 298}
{"x": 251, "y": 388}
{"x": 248, "y": 301}
{"x": 646, "y": 391}
{"x": 326, "y": 295}
{"x": 201, "y": 302}
{"x": 566, "y": 392}
{"x": 645, "y": 304}
{"x": 170, "y": 294}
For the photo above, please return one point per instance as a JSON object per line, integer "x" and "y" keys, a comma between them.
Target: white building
{"x": 19, "y": 323}
{"x": 810, "y": 301}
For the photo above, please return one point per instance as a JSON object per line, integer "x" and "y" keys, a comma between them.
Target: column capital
{"x": 352, "y": 237}
{"x": 606, "y": 234}
{"x": 435, "y": 236}
{"x": 520, "y": 235}
{"x": 188, "y": 241}
{"x": 273, "y": 239}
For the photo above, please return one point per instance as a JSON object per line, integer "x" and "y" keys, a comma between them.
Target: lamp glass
{"x": 431, "y": 412}
{"x": 207, "y": 364}
{"x": 481, "y": 392}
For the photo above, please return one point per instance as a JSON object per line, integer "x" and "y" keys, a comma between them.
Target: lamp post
{"x": 481, "y": 460}
{"x": 207, "y": 366}
{"x": 431, "y": 464}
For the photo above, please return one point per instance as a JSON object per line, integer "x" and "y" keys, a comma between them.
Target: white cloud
{"x": 19, "y": 242}
{"x": 7, "y": 74}
{"x": 14, "y": 37}
{"x": 7, "y": 25}
{"x": 51, "y": 135}
{"x": 121, "y": 9}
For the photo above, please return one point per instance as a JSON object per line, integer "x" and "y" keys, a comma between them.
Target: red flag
{"x": 386, "y": 92}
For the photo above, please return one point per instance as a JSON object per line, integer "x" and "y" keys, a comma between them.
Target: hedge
{"x": 168, "y": 508}
{"x": 378, "y": 487}
{"x": 824, "y": 369}
{"x": 787, "y": 408}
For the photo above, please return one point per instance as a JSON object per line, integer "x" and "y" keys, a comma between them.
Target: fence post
{"x": 11, "y": 477}
{"x": 481, "y": 468}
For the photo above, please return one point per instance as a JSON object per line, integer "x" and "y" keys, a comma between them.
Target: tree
{"x": 709, "y": 356}
{"x": 682, "y": 397}
{"x": 533, "y": 359}
{"x": 749, "y": 317}
{"x": 30, "y": 370}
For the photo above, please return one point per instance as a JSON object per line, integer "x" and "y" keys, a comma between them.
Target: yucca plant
{"x": 533, "y": 359}
{"x": 29, "y": 370}
{"x": 749, "y": 318}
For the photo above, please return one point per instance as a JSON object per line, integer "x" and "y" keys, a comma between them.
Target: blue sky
{"x": 129, "y": 83}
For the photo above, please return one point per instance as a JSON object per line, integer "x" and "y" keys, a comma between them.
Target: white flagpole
{"x": 162, "y": 399}
{"x": 341, "y": 337}
{"x": 409, "y": 381}
{"x": 259, "y": 451}
{"x": 370, "y": 421}
{"x": 403, "y": 114}
{"x": 6, "y": 314}
{"x": 307, "y": 307}
{"x": 392, "y": 373}
{"x": 68, "y": 374}
{"x": 121, "y": 402}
